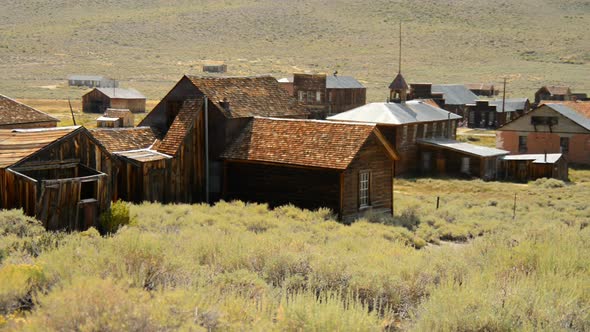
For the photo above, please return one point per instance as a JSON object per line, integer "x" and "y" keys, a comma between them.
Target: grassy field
{"x": 149, "y": 44}
{"x": 471, "y": 265}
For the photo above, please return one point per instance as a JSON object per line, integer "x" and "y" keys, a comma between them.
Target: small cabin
{"x": 529, "y": 167}
{"x": 92, "y": 81}
{"x": 61, "y": 176}
{"x": 115, "y": 118}
{"x": 98, "y": 100}
{"x": 553, "y": 92}
{"x": 215, "y": 68}
{"x": 18, "y": 115}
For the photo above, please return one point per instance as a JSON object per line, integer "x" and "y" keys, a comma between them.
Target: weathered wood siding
{"x": 97, "y": 102}
{"x": 373, "y": 158}
{"x": 342, "y": 100}
{"x": 280, "y": 185}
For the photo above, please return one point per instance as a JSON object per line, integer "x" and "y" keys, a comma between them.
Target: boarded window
{"x": 564, "y": 144}
{"x": 522, "y": 144}
{"x": 465, "y": 165}
{"x": 364, "y": 182}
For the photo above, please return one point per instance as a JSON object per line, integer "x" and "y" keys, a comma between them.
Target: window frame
{"x": 364, "y": 189}
{"x": 522, "y": 143}
{"x": 564, "y": 148}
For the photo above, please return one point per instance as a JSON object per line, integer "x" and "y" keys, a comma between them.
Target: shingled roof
{"x": 182, "y": 123}
{"x": 124, "y": 139}
{"x": 557, "y": 89}
{"x": 311, "y": 143}
{"x": 398, "y": 83}
{"x": 18, "y": 144}
{"x": 12, "y": 112}
{"x": 249, "y": 96}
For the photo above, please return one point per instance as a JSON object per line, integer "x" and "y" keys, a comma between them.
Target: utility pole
{"x": 504, "y": 96}
{"x": 206, "y": 101}
{"x": 72, "y": 111}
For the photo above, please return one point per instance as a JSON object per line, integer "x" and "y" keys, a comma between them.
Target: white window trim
{"x": 364, "y": 189}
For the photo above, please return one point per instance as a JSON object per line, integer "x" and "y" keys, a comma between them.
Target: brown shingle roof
{"x": 13, "y": 112}
{"x": 182, "y": 123}
{"x": 249, "y": 96}
{"x": 17, "y": 144}
{"x": 310, "y": 143}
{"x": 124, "y": 139}
{"x": 557, "y": 90}
{"x": 399, "y": 83}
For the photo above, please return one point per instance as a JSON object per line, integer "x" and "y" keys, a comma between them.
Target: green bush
{"x": 115, "y": 218}
{"x": 18, "y": 285}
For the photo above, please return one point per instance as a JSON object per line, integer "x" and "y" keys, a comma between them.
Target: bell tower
{"x": 398, "y": 89}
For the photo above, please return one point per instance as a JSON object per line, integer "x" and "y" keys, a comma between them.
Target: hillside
{"x": 467, "y": 266}
{"x": 149, "y": 44}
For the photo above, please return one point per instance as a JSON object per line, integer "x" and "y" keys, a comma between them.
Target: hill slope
{"x": 152, "y": 43}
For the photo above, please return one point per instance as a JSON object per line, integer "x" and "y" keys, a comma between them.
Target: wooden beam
{"x": 390, "y": 149}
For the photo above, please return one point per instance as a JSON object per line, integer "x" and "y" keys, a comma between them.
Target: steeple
{"x": 398, "y": 89}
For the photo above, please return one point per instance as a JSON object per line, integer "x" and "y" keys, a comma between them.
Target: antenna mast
{"x": 400, "y": 47}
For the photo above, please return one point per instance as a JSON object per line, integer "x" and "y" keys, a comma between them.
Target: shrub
{"x": 18, "y": 284}
{"x": 115, "y": 218}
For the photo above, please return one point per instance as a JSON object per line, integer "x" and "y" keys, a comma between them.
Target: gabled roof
{"x": 455, "y": 94}
{"x": 582, "y": 107}
{"x": 124, "y": 139}
{"x": 18, "y": 144}
{"x": 578, "y": 117}
{"x": 479, "y": 86}
{"x": 342, "y": 82}
{"x": 119, "y": 93}
{"x": 549, "y": 158}
{"x": 557, "y": 89}
{"x": 249, "y": 96}
{"x": 311, "y": 143}
{"x": 398, "y": 83}
{"x": 468, "y": 148}
{"x": 180, "y": 127}
{"x": 511, "y": 105}
{"x": 413, "y": 111}
{"x": 13, "y": 112}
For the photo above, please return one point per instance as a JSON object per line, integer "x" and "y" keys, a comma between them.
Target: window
{"x": 318, "y": 96}
{"x": 564, "y": 144}
{"x": 522, "y": 144}
{"x": 434, "y": 125}
{"x": 443, "y": 132}
{"x": 301, "y": 95}
{"x": 543, "y": 120}
{"x": 364, "y": 182}
{"x": 425, "y": 130}
{"x": 465, "y": 165}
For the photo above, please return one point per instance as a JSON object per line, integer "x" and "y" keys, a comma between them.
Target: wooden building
{"x": 58, "y": 175}
{"x": 552, "y": 92}
{"x": 482, "y": 89}
{"x": 115, "y": 118}
{"x": 311, "y": 164}
{"x": 92, "y": 81}
{"x": 556, "y": 127}
{"x": 529, "y": 167}
{"x": 98, "y": 100}
{"x": 455, "y": 98}
{"x": 215, "y": 68}
{"x": 403, "y": 124}
{"x": 495, "y": 113}
{"x": 18, "y": 115}
{"x": 125, "y": 145}
{"x": 442, "y": 156}
{"x": 179, "y": 120}
{"x": 324, "y": 95}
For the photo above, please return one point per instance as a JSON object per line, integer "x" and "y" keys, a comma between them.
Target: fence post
{"x": 437, "y": 201}
{"x": 514, "y": 208}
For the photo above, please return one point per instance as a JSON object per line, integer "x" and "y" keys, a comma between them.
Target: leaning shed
{"x": 59, "y": 175}
{"x": 347, "y": 167}
{"x": 124, "y": 144}
{"x": 98, "y": 100}
{"x": 232, "y": 101}
{"x": 18, "y": 115}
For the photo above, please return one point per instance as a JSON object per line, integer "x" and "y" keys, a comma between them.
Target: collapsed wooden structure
{"x": 59, "y": 175}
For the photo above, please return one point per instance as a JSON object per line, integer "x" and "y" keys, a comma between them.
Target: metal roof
{"x": 143, "y": 155}
{"x": 413, "y": 111}
{"x": 18, "y": 144}
{"x": 549, "y": 158}
{"x": 455, "y": 94}
{"x": 106, "y": 118}
{"x": 472, "y": 149}
{"x": 571, "y": 114}
{"x": 119, "y": 93}
{"x": 86, "y": 78}
{"x": 512, "y": 104}
{"x": 343, "y": 82}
